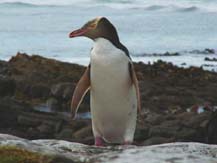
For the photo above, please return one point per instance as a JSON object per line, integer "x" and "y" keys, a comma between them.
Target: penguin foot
{"x": 99, "y": 142}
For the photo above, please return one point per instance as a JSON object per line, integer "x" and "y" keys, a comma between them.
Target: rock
{"x": 210, "y": 59}
{"x": 34, "y": 118}
{"x": 154, "y": 118}
{"x": 49, "y": 69}
{"x": 157, "y": 140}
{"x": 54, "y": 104}
{"x": 59, "y": 126}
{"x": 34, "y": 82}
{"x": 33, "y": 133}
{"x": 205, "y": 51}
{"x": 83, "y": 133}
{"x": 210, "y": 51}
{"x": 60, "y": 159}
{"x": 39, "y": 91}
{"x": 87, "y": 140}
{"x": 195, "y": 120}
{"x": 208, "y": 65}
{"x": 14, "y": 154}
{"x": 21, "y": 120}
{"x": 9, "y": 111}
{"x": 7, "y": 86}
{"x": 155, "y": 80}
{"x": 188, "y": 134}
{"x": 28, "y": 121}
{"x": 166, "y": 92}
{"x": 171, "y": 54}
{"x": 182, "y": 127}
{"x": 62, "y": 95}
{"x": 212, "y": 129}
{"x": 161, "y": 54}
{"x": 184, "y": 116}
{"x": 65, "y": 151}
{"x": 141, "y": 133}
{"x": 65, "y": 134}
{"x": 167, "y": 129}
{"x": 4, "y": 70}
{"x": 78, "y": 124}
{"x": 205, "y": 123}
{"x": 63, "y": 90}
{"x": 46, "y": 129}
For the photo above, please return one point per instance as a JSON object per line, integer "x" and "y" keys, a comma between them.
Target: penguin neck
{"x": 103, "y": 43}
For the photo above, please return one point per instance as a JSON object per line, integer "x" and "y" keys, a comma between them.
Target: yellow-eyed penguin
{"x": 111, "y": 79}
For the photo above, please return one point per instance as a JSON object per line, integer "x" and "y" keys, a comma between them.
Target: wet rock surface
{"x": 67, "y": 152}
{"x": 167, "y": 92}
{"x": 210, "y": 59}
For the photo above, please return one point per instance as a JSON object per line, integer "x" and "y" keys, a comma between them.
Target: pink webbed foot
{"x": 99, "y": 142}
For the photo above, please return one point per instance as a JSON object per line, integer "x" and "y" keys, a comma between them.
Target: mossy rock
{"x": 12, "y": 154}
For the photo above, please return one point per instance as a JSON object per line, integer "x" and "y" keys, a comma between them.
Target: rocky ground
{"x": 59, "y": 151}
{"x": 177, "y": 104}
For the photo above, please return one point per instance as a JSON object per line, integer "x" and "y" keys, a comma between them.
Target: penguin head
{"x": 96, "y": 28}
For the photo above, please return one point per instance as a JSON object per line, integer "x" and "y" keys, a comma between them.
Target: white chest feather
{"x": 109, "y": 65}
{"x": 113, "y": 96}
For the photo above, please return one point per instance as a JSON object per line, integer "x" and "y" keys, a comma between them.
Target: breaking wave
{"x": 121, "y": 4}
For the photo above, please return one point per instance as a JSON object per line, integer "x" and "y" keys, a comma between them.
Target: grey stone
{"x": 54, "y": 104}
{"x": 212, "y": 129}
{"x": 156, "y": 140}
{"x": 80, "y": 153}
{"x": 141, "y": 133}
{"x": 66, "y": 133}
{"x": 167, "y": 129}
{"x": 7, "y": 86}
{"x": 39, "y": 91}
{"x": 154, "y": 118}
{"x": 83, "y": 132}
{"x": 45, "y": 129}
{"x": 28, "y": 121}
{"x": 196, "y": 120}
{"x": 63, "y": 90}
{"x": 187, "y": 134}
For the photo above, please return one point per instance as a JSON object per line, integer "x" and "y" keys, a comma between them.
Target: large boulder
{"x": 63, "y": 91}
{"x": 39, "y": 91}
{"x": 7, "y": 86}
{"x": 36, "y": 75}
{"x": 61, "y": 95}
{"x": 9, "y": 112}
{"x": 182, "y": 127}
{"x": 69, "y": 152}
{"x": 22, "y": 120}
{"x": 4, "y": 69}
{"x": 212, "y": 129}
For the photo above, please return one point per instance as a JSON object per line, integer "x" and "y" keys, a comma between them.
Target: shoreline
{"x": 207, "y": 59}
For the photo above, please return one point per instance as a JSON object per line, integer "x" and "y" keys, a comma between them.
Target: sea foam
{"x": 185, "y": 6}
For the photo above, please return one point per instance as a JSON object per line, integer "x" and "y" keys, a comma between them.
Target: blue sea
{"x": 145, "y": 27}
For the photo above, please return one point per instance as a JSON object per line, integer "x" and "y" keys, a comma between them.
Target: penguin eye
{"x": 92, "y": 26}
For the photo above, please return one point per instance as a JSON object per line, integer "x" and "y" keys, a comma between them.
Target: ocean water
{"x": 145, "y": 27}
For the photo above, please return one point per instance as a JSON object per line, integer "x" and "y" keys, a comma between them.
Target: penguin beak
{"x": 78, "y": 32}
